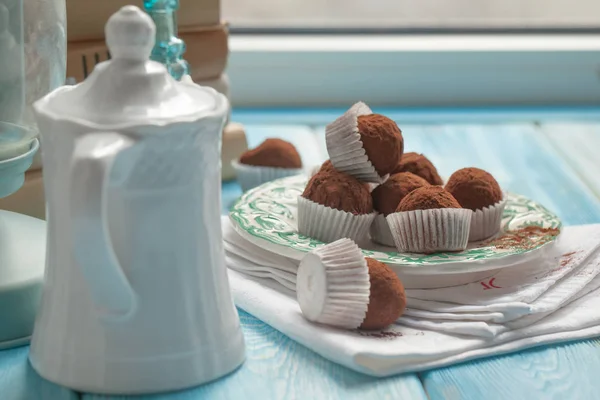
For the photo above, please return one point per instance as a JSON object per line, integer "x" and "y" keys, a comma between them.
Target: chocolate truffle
{"x": 388, "y": 195}
{"x": 339, "y": 191}
{"x": 387, "y": 299}
{"x": 419, "y": 165}
{"x": 382, "y": 141}
{"x": 428, "y": 198}
{"x": 474, "y": 188}
{"x": 337, "y": 286}
{"x": 273, "y": 153}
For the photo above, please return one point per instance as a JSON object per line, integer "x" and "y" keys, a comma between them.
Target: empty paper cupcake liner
{"x": 485, "y": 223}
{"x": 345, "y": 147}
{"x": 380, "y": 231}
{"x": 333, "y": 285}
{"x": 430, "y": 231}
{"x": 250, "y": 176}
{"x": 328, "y": 225}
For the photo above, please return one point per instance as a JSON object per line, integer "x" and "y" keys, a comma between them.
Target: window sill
{"x": 415, "y": 70}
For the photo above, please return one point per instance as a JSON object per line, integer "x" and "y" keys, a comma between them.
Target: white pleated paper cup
{"x": 485, "y": 223}
{"x": 380, "y": 231}
{"x": 345, "y": 148}
{"x": 333, "y": 286}
{"x": 431, "y": 231}
{"x": 328, "y": 225}
{"x": 250, "y": 176}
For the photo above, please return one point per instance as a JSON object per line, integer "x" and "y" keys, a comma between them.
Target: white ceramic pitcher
{"x": 136, "y": 297}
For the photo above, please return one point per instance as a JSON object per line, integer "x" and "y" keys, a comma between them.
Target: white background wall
{"x": 412, "y": 13}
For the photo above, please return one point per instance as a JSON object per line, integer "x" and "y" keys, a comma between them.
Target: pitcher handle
{"x": 93, "y": 157}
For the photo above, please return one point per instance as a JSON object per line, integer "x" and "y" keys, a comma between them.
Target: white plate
{"x": 266, "y": 216}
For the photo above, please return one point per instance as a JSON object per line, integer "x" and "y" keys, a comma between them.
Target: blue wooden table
{"x": 530, "y": 151}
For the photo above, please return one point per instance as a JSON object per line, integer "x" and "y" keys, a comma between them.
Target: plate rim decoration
{"x": 274, "y": 215}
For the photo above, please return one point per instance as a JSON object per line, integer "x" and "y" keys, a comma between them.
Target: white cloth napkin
{"x": 513, "y": 298}
{"x": 551, "y": 300}
{"x": 404, "y": 349}
{"x": 516, "y": 288}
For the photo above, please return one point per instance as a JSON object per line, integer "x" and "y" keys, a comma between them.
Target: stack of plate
{"x": 22, "y": 242}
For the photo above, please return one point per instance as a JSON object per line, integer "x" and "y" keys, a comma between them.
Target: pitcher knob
{"x": 130, "y": 34}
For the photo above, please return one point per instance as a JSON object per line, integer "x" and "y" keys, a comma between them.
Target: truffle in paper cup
{"x": 380, "y": 231}
{"x": 485, "y": 222}
{"x": 328, "y": 225}
{"x": 345, "y": 147}
{"x": 431, "y": 231}
{"x": 327, "y": 166}
{"x": 333, "y": 285}
{"x": 250, "y": 176}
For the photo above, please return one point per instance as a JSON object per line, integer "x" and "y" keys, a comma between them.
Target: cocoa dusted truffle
{"x": 382, "y": 141}
{"x": 337, "y": 286}
{"x": 273, "y": 153}
{"x": 339, "y": 191}
{"x": 388, "y": 195}
{"x": 419, "y": 165}
{"x": 474, "y": 188}
{"x": 387, "y": 299}
{"x": 428, "y": 198}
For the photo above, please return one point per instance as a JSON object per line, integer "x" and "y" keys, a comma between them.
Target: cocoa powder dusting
{"x": 388, "y": 195}
{"x": 380, "y": 335}
{"x": 419, "y": 165}
{"x": 567, "y": 258}
{"x": 428, "y": 198}
{"x": 339, "y": 191}
{"x": 524, "y": 238}
{"x": 382, "y": 141}
{"x": 474, "y": 188}
{"x": 387, "y": 299}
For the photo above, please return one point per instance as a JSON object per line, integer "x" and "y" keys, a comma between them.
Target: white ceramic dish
{"x": 14, "y": 140}
{"x": 267, "y": 216}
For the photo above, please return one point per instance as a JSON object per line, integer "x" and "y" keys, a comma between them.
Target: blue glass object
{"x": 168, "y": 49}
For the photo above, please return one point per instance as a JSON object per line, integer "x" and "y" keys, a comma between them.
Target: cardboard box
{"x": 29, "y": 199}
{"x": 206, "y": 51}
{"x": 234, "y": 144}
{"x": 86, "y": 18}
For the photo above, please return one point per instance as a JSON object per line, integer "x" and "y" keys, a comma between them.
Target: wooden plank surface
{"x": 579, "y": 145}
{"x": 525, "y": 163}
{"x": 278, "y": 368}
{"x": 18, "y": 381}
{"x": 566, "y": 371}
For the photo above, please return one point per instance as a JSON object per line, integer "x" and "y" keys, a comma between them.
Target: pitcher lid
{"x": 130, "y": 88}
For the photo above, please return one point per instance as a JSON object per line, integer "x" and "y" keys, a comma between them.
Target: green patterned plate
{"x": 266, "y": 216}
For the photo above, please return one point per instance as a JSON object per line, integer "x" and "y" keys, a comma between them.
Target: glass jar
{"x": 32, "y": 63}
